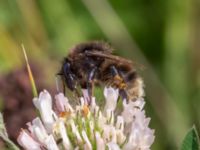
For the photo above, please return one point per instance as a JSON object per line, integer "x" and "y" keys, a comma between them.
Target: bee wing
{"x": 109, "y": 56}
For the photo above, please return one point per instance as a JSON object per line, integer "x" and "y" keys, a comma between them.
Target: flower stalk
{"x": 4, "y": 135}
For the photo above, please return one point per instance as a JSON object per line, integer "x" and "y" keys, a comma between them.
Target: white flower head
{"x": 86, "y": 126}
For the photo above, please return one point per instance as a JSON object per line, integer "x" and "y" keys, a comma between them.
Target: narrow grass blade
{"x": 34, "y": 89}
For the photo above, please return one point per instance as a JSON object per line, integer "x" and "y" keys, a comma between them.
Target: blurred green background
{"x": 163, "y": 37}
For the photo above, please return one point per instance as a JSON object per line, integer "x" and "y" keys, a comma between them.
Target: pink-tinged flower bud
{"x": 27, "y": 142}
{"x": 44, "y": 105}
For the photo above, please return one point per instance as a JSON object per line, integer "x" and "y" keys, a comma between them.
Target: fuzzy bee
{"x": 93, "y": 63}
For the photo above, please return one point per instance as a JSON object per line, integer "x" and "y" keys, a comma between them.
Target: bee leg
{"x": 119, "y": 82}
{"x": 123, "y": 95}
{"x": 90, "y": 83}
{"x": 60, "y": 84}
{"x": 69, "y": 78}
{"x": 64, "y": 89}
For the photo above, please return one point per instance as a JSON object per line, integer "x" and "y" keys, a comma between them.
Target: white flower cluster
{"x": 87, "y": 127}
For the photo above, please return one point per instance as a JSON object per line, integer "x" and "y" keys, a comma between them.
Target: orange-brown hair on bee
{"x": 93, "y": 62}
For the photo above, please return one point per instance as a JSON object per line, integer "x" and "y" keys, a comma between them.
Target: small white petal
{"x": 111, "y": 96}
{"x": 44, "y": 105}
{"x": 109, "y": 133}
{"x": 27, "y": 142}
{"x": 113, "y": 146}
{"x": 141, "y": 136}
{"x": 39, "y": 130}
{"x": 120, "y": 137}
{"x": 82, "y": 101}
{"x": 30, "y": 128}
{"x": 148, "y": 139}
{"x": 120, "y": 130}
{"x": 110, "y": 116}
{"x": 76, "y": 132}
{"x": 130, "y": 145}
{"x": 99, "y": 141}
{"x": 139, "y": 103}
{"x": 86, "y": 96}
{"x": 93, "y": 105}
{"x": 51, "y": 143}
{"x": 87, "y": 145}
{"x": 101, "y": 120}
{"x": 91, "y": 125}
{"x": 65, "y": 138}
{"x": 44, "y": 95}
{"x": 54, "y": 115}
{"x": 62, "y": 103}
{"x": 96, "y": 111}
{"x": 129, "y": 111}
{"x": 120, "y": 123}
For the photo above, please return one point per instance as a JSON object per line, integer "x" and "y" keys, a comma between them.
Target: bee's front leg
{"x": 69, "y": 79}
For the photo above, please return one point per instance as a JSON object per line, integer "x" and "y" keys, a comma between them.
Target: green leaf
{"x": 191, "y": 140}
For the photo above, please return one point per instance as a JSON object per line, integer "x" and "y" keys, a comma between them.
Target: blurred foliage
{"x": 191, "y": 140}
{"x": 167, "y": 36}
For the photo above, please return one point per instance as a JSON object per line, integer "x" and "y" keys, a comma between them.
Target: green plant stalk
{"x": 4, "y": 135}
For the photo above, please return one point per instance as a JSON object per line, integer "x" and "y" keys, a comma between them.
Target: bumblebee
{"x": 92, "y": 63}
